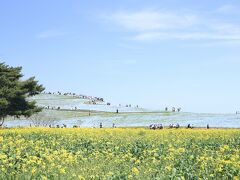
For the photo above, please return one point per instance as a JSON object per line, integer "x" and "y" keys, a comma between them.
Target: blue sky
{"x": 153, "y": 53}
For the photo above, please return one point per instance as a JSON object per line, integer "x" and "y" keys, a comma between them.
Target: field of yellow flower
{"x": 44, "y": 153}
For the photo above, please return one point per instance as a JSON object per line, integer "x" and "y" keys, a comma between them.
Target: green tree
{"x": 14, "y": 93}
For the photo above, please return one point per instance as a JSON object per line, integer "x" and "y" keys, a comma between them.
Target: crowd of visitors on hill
{"x": 174, "y": 109}
{"x": 75, "y": 95}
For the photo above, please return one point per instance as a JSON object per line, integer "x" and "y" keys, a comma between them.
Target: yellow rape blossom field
{"x": 120, "y": 153}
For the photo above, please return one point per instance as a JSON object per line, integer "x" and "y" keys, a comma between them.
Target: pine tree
{"x": 14, "y": 93}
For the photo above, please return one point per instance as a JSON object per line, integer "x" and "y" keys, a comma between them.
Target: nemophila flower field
{"x": 44, "y": 153}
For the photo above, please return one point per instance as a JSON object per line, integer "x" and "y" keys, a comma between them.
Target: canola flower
{"x": 120, "y": 153}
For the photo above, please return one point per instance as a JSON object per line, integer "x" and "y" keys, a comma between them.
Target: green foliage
{"x": 14, "y": 93}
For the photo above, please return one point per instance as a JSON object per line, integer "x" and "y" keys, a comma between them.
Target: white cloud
{"x": 152, "y": 20}
{"x": 227, "y": 9}
{"x": 186, "y": 36}
{"x": 150, "y": 25}
{"x": 50, "y": 34}
{"x": 225, "y": 28}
